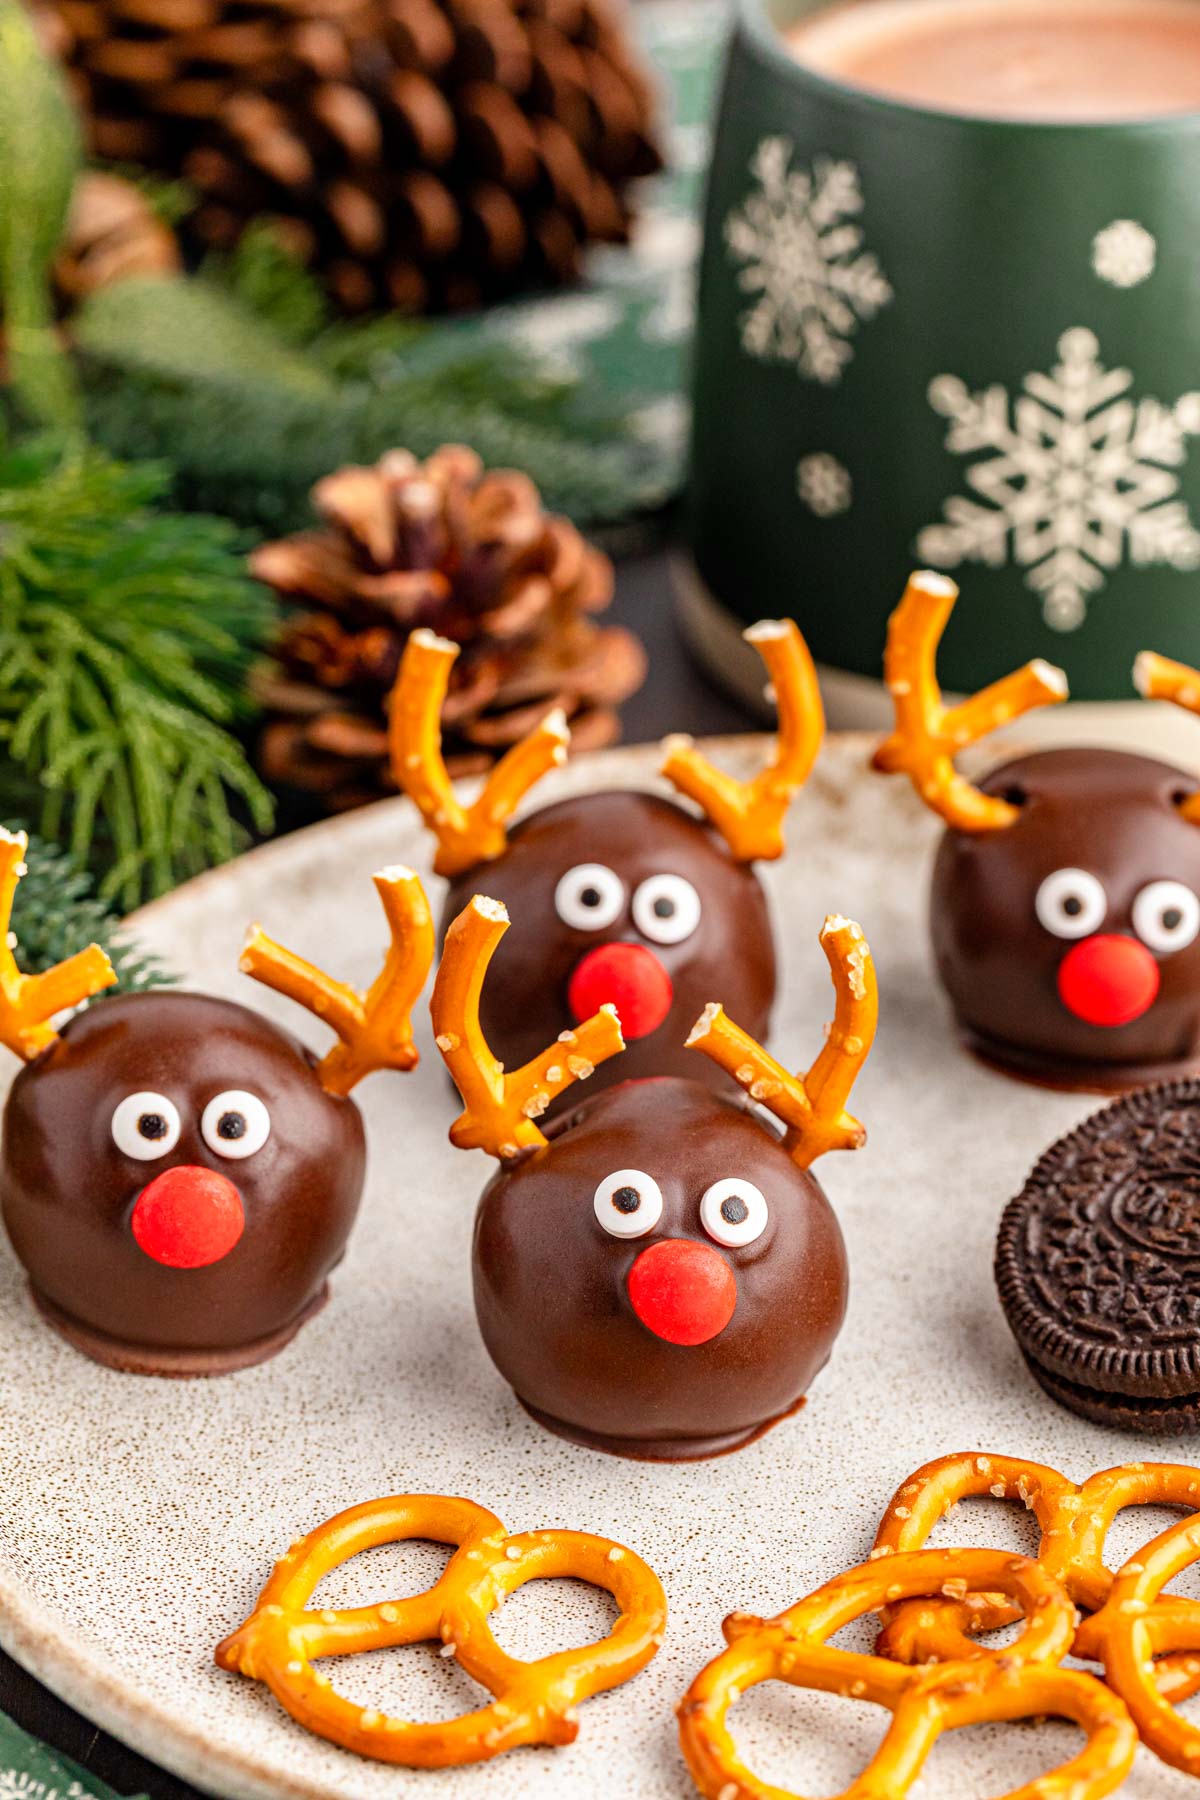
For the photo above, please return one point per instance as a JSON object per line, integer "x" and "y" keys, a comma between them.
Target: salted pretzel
{"x": 466, "y": 835}
{"x": 1022, "y": 1680}
{"x": 1160, "y": 678}
{"x": 929, "y": 734}
{"x": 29, "y": 1003}
{"x": 1137, "y": 1624}
{"x": 750, "y": 814}
{"x": 533, "y": 1702}
{"x": 374, "y": 1029}
{"x": 811, "y": 1107}
{"x": 501, "y": 1110}
{"x": 1074, "y": 1522}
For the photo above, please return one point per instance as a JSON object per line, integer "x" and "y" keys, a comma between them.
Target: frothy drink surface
{"x": 1023, "y": 59}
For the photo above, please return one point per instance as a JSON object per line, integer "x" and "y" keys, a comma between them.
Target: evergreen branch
{"x": 56, "y": 913}
{"x": 125, "y": 636}
{"x": 251, "y": 418}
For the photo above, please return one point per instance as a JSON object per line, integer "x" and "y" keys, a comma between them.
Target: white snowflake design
{"x": 802, "y": 255}
{"x": 19, "y": 1784}
{"x": 824, "y": 484}
{"x": 1124, "y": 253}
{"x": 1076, "y": 474}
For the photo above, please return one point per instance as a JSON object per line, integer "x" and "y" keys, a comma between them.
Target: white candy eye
{"x": 1166, "y": 915}
{"x": 589, "y": 897}
{"x": 666, "y": 909}
{"x": 628, "y": 1204}
{"x": 1071, "y": 903}
{"x": 146, "y": 1126}
{"x": 235, "y": 1124}
{"x": 733, "y": 1212}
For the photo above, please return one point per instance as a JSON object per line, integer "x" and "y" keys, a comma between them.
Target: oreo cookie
{"x": 1098, "y": 1264}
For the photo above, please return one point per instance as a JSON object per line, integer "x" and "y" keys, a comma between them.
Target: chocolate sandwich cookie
{"x": 1098, "y": 1264}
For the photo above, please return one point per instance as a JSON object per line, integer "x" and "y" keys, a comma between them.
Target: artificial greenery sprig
{"x": 125, "y": 634}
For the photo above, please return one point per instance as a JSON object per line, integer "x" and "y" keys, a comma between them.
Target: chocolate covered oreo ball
{"x": 661, "y": 1280}
{"x": 658, "y": 1273}
{"x": 177, "y": 1183}
{"x": 179, "y": 1175}
{"x": 1065, "y": 905}
{"x": 628, "y": 899}
{"x": 1069, "y": 943}
{"x": 623, "y": 898}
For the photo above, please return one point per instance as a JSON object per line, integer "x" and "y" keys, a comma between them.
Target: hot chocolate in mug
{"x": 950, "y": 315}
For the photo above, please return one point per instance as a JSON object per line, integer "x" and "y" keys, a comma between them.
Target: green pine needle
{"x": 125, "y": 635}
{"x": 56, "y": 913}
{"x": 250, "y": 412}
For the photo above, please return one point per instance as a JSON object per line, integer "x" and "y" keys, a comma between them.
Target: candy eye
{"x": 733, "y": 1212}
{"x": 1071, "y": 903}
{"x": 1166, "y": 915}
{"x": 628, "y": 1204}
{"x": 146, "y": 1126}
{"x": 666, "y": 909}
{"x": 235, "y": 1124}
{"x": 589, "y": 897}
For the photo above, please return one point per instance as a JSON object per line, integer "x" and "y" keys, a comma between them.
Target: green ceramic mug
{"x": 927, "y": 338}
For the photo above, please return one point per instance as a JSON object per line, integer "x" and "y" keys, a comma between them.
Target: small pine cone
{"x": 469, "y": 554}
{"x": 112, "y": 232}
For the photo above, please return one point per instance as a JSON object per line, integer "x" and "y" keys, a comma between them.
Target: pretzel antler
{"x": 812, "y": 1106}
{"x": 749, "y": 814}
{"x": 466, "y": 835}
{"x": 928, "y": 734}
{"x": 375, "y": 1028}
{"x": 500, "y": 1109}
{"x": 1158, "y": 678}
{"x": 29, "y": 1002}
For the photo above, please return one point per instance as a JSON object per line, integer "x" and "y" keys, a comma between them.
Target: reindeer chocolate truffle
{"x": 625, "y": 898}
{"x": 1065, "y": 908}
{"x": 658, "y": 1274}
{"x": 178, "y": 1175}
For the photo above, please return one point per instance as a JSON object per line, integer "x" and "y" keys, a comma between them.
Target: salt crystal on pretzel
{"x": 533, "y": 1702}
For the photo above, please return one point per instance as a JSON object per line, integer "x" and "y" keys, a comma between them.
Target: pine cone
{"x": 468, "y": 554}
{"x": 420, "y": 154}
{"x": 112, "y": 232}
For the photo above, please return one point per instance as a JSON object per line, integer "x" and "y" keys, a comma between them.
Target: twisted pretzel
{"x": 1135, "y": 1625}
{"x": 1017, "y": 1682}
{"x": 1074, "y": 1523}
{"x": 533, "y": 1702}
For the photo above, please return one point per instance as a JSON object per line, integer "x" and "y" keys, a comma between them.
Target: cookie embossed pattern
{"x": 1098, "y": 1264}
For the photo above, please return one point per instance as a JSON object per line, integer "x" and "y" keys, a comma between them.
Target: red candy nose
{"x": 1108, "y": 979}
{"x": 627, "y": 976}
{"x": 682, "y": 1291}
{"x": 188, "y": 1217}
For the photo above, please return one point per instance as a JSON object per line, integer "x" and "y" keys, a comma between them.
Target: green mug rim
{"x": 754, "y": 17}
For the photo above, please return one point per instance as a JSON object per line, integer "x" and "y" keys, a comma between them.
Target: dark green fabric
{"x": 30, "y": 1771}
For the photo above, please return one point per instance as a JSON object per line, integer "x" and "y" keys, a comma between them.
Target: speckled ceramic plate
{"x": 140, "y": 1517}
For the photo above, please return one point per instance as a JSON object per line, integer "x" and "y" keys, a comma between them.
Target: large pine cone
{"x": 418, "y": 153}
{"x": 473, "y": 557}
